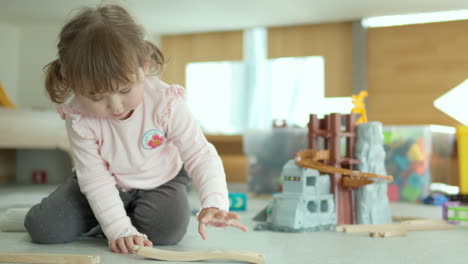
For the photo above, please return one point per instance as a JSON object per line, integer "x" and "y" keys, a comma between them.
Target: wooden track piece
{"x": 395, "y": 233}
{"x": 159, "y": 254}
{"x": 39, "y": 258}
{"x": 311, "y": 159}
{"x": 397, "y": 218}
{"x": 413, "y": 225}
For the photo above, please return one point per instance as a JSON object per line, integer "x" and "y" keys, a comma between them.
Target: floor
{"x": 422, "y": 247}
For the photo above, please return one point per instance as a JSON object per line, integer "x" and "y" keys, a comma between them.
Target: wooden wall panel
{"x": 410, "y": 66}
{"x": 230, "y": 149}
{"x": 333, "y": 41}
{"x": 214, "y": 46}
{"x": 186, "y": 48}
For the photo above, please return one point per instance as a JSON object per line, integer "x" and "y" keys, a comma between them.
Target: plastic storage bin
{"x": 267, "y": 151}
{"x": 42, "y": 166}
{"x": 418, "y": 155}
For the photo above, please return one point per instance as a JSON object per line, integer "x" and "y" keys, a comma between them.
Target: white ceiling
{"x": 183, "y": 16}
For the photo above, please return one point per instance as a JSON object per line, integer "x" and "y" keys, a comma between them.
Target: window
{"x": 324, "y": 206}
{"x": 230, "y": 97}
{"x": 294, "y": 83}
{"x": 222, "y": 101}
{"x": 312, "y": 206}
{"x": 310, "y": 180}
{"x": 213, "y": 93}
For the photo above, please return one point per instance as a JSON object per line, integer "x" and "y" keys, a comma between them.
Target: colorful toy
{"x": 408, "y": 159}
{"x": 307, "y": 201}
{"x": 5, "y": 101}
{"x": 393, "y": 193}
{"x": 457, "y": 213}
{"x": 436, "y": 199}
{"x": 360, "y": 107}
{"x": 445, "y": 207}
{"x": 304, "y": 205}
{"x": 237, "y": 201}
{"x": 327, "y": 134}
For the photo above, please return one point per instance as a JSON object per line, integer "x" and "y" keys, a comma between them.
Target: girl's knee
{"x": 43, "y": 229}
{"x": 35, "y": 226}
{"x": 164, "y": 231}
{"x": 166, "y": 237}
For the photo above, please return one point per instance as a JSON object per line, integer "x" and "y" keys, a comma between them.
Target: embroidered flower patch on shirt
{"x": 152, "y": 139}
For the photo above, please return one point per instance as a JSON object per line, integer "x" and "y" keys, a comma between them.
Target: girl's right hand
{"x": 124, "y": 244}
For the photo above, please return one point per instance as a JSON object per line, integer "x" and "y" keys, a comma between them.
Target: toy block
{"x": 237, "y": 201}
{"x": 410, "y": 193}
{"x": 457, "y": 213}
{"x": 393, "y": 192}
{"x": 415, "y": 153}
{"x": 415, "y": 180}
{"x": 402, "y": 162}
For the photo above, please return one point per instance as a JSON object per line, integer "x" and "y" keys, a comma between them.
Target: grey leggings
{"x": 65, "y": 215}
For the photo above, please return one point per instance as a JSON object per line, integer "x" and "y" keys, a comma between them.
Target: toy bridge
{"x": 311, "y": 159}
{"x": 328, "y": 131}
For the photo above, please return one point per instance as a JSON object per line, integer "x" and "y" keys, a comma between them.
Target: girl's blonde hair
{"x": 99, "y": 50}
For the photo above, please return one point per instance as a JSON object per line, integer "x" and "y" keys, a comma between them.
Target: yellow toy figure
{"x": 360, "y": 107}
{"x": 4, "y": 100}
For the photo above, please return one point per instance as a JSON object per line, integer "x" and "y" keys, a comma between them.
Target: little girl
{"x": 133, "y": 139}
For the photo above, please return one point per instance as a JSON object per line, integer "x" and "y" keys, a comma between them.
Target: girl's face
{"x": 118, "y": 105}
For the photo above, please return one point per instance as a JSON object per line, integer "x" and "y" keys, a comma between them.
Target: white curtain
{"x": 214, "y": 95}
{"x": 232, "y": 97}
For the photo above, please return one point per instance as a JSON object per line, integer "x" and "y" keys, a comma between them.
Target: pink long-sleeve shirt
{"x": 142, "y": 152}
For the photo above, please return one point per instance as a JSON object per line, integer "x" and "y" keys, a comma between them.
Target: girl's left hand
{"x": 217, "y": 218}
